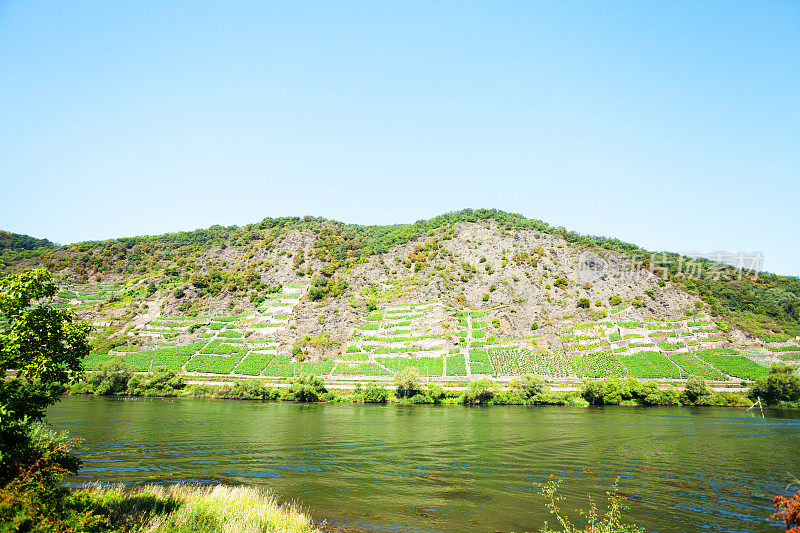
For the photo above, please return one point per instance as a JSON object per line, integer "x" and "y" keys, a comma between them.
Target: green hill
{"x": 466, "y": 293}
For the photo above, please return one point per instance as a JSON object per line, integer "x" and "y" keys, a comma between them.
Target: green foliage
{"x": 616, "y": 391}
{"x": 43, "y": 346}
{"x": 696, "y": 389}
{"x": 479, "y": 362}
{"x": 479, "y": 391}
{"x": 374, "y": 393}
{"x": 407, "y": 382}
{"x": 584, "y": 303}
{"x": 530, "y": 385}
{"x": 610, "y": 522}
{"x": 254, "y": 363}
{"x": 115, "y": 377}
{"x": 15, "y": 247}
{"x": 780, "y": 385}
{"x": 729, "y": 362}
{"x": 306, "y": 388}
{"x": 322, "y": 287}
{"x": 608, "y": 392}
{"x": 456, "y": 365}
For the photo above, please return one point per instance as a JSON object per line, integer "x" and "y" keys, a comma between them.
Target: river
{"x": 453, "y": 468}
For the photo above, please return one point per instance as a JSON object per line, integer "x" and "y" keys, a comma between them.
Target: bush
{"x": 375, "y": 394}
{"x": 407, "y": 382}
{"x": 322, "y": 287}
{"x": 34, "y": 499}
{"x": 614, "y": 300}
{"x": 200, "y": 281}
{"x": 420, "y": 399}
{"x": 696, "y": 390}
{"x": 110, "y": 378}
{"x": 480, "y": 391}
{"x": 511, "y": 397}
{"x": 648, "y": 393}
{"x": 780, "y": 385}
{"x": 306, "y": 388}
{"x": 436, "y": 393}
{"x": 608, "y": 392}
{"x": 252, "y": 390}
{"x": 529, "y": 385}
{"x": 584, "y": 303}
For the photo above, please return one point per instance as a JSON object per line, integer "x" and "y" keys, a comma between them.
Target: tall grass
{"x": 199, "y": 508}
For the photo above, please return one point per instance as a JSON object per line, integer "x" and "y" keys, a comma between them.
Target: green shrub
{"x": 480, "y": 391}
{"x": 420, "y": 398}
{"x": 529, "y": 385}
{"x": 407, "y": 382}
{"x": 780, "y": 385}
{"x": 375, "y": 394}
{"x": 608, "y": 392}
{"x": 696, "y": 390}
{"x": 306, "y": 388}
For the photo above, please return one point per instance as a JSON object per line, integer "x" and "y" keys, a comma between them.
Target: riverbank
{"x": 408, "y": 388}
{"x": 481, "y": 392}
{"x": 190, "y": 508}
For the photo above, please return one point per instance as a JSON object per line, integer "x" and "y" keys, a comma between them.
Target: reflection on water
{"x": 450, "y": 469}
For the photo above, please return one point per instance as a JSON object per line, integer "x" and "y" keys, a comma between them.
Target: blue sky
{"x": 674, "y": 125}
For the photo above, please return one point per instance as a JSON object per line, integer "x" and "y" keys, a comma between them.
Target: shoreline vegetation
{"x": 779, "y": 388}
{"x": 184, "y": 508}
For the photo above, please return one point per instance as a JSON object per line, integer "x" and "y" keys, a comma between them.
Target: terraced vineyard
{"x": 396, "y": 336}
{"x": 238, "y": 344}
{"x": 442, "y": 342}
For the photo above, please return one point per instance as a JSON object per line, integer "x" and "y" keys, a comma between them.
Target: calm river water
{"x": 426, "y": 469}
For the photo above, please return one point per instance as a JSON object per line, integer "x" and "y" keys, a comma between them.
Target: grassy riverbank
{"x": 191, "y": 508}
{"x": 36, "y": 500}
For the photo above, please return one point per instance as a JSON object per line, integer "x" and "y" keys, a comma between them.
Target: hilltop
{"x": 467, "y": 293}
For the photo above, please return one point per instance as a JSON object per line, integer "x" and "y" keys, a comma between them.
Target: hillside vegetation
{"x": 469, "y": 293}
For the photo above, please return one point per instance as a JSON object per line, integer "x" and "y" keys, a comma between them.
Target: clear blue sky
{"x": 674, "y": 125}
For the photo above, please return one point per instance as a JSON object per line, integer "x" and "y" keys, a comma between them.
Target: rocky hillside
{"x": 468, "y": 293}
